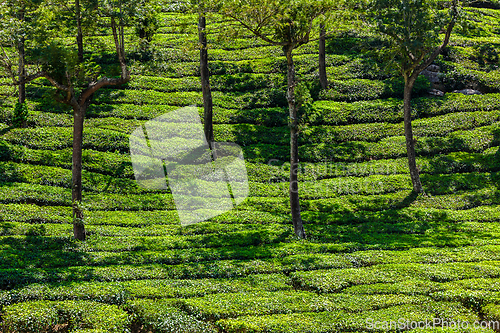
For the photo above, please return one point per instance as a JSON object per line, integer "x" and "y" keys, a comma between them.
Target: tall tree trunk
{"x": 205, "y": 82}
{"x": 76, "y": 188}
{"x": 410, "y": 142}
{"x": 22, "y": 66}
{"x": 294, "y": 147}
{"x": 79, "y": 35}
{"x": 322, "y": 57}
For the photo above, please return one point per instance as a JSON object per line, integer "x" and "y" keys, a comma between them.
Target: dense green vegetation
{"x": 375, "y": 251}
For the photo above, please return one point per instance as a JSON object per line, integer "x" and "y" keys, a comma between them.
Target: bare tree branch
{"x": 256, "y": 32}
{"x": 7, "y": 64}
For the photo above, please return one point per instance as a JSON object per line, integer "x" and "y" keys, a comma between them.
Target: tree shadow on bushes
{"x": 402, "y": 225}
{"x": 33, "y": 258}
{"x": 396, "y": 230}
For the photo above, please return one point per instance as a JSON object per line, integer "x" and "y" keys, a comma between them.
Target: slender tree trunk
{"x": 294, "y": 147}
{"x": 76, "y": 189}
{"x": 79, "y": 35}
{"x": 22, "y": 66}
{"x": 205, "y": 82}
{"x": 410, "y": 142}
{"x": 322, "y": 57}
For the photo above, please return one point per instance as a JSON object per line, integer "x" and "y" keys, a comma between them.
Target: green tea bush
{"x": 242, "y": 81}
{"x": 260, "y": 116}
{"x": 459, "y": 77}
{"x": 128, "y": 111}
{"x": 44, "y": 315}
{"x": 391, "y": 110}
{"x": 54, "y": 176}
{"x": 237, "y": 100}
{"x": 211, "y": 269}
{"x": 55, "y": 138}
{"x": 34, "y": 213}
{"x": 20, "y": 115}
{"x": 215, "y": 307}
{"x": 408, "y": 287}
{"x": 327, "y": 281}
{"x": 148, "y": 97}
{"x": 492, "y": 312}
{"x": 49, "y": 119}
{"x": 119, "y": 293}
{"x": 31, "y": 193}
{"x": 362, "y": 89}
{"x": 340, "y": 321}
{"x": 165, "y": 84}
{"x": 160, "y": 316}
{"x": 116, "y": 124}
{"x": 245, "y": 54}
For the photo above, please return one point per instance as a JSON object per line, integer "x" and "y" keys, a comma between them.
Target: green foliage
{"x": 339, "y": 321}
{"x": 281, "y": 22}
{"x": 362, "y": 89}
{"x": 146, "y": 21}
{"x": 57, "y": 60}
{"x": 373, "y": 249}
{"x": 20, "y": 115}
{"x": 412, "y": 26}
{"x": 161, "y": 316}
{"x": 80, "y": 316}
{"x": 492, "y": 312}
{"x": 335, "y": 280}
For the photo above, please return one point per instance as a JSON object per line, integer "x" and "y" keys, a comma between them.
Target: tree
{"x": 75, "y": 85}
{"x": 22, "y": 58}
{"x": 79, "y": 14}
{"x": 202, "y": 7}
{"x": 20, "y": 26}
{"x": 146, "y": 22}
{"x": 14, "y": 27}
{"x": 413, "y": 28}
{"x": 322, "y": 57}
{"x": 288, "y": 24}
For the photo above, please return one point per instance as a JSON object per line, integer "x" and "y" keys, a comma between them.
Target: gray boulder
{"x": 467, "y": 92}
{"x": 436, "y": 92}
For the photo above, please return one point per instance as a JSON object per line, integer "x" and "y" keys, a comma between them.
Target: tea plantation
{"x": 374, "y": 251}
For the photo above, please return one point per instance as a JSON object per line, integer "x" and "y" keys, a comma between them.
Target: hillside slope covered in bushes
{"x": 374, "y": 252}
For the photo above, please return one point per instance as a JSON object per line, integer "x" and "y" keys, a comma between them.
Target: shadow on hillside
{"x": 9, "y": 173}
{"x": 109, "y": 96}
{"x": 96, "y": 111}
{"x": 5, "y": 149}
{"x": 464, "y": 174}
{"x": 420, "y": 221}
{"x": 32, "y": 258}
{"x": 350, "y": 42}
{"x": 270, "y": 117}
{"x": 396, "y": 229}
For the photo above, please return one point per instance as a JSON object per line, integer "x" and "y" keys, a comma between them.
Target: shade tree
{"x": 418, "y": 31}
{"x": 202, "y": 8}
{"x": 76, "y": 83}
{"x": 287, "y": 24}
{"x": 18, "y": 24}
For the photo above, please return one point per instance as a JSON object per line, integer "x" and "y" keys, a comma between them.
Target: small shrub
{"x": 20, "y": 116}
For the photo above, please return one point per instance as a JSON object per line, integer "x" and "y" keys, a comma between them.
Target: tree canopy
{"x": 414, "y": 28}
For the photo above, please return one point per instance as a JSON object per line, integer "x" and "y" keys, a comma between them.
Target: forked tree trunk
{"x": 294, "y": 147}
{"x": 205, "y": 82}
{"x": 322, "y": 57}
{"x": 410, "y": 142}
{"x": 79, "y": 35}
{"x": 80, "y": 105}
{"x": 76, "y": 183}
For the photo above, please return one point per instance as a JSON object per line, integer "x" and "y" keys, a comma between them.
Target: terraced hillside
{"x": 374, "y": 252}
